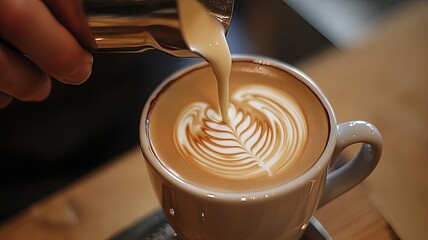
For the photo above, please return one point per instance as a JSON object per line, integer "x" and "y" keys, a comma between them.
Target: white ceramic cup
{"x": 282, "y": 212}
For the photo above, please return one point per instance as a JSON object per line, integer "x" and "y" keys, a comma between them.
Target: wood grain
{"x": 96, "y": 207}
{"x": 384, "y": 80}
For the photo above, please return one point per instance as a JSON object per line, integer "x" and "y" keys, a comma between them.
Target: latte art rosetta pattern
{"x": 266, "y": 133}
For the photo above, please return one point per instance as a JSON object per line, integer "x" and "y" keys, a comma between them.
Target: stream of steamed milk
{"x": 205, "y": 36}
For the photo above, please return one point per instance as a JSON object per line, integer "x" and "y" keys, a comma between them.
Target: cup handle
{"x": 360, "y": 166}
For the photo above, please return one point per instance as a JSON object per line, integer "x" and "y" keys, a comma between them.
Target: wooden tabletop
{"x": 118, "y": 195}
{"x": 384, "y": 80}
{"x": 364, "y": 83}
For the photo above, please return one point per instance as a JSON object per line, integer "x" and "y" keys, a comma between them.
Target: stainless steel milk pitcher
{"x": 139, "y": 25}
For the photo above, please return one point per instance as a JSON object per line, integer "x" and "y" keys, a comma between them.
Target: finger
{"x": 32, "y": 29}
{"x": 71, "y": 14}
{"x": 5, "y": 100}
{"x": 20, "y": 78}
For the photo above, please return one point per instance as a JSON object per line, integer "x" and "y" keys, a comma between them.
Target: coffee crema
{"x": 277, "y": 130}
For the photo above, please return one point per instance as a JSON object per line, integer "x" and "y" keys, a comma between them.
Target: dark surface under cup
{"x": 156, "y": 227}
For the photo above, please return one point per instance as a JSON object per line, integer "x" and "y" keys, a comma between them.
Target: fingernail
{"x": 80, "y": 74}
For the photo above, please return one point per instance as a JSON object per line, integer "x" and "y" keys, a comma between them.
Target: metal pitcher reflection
{"x": 139, "y": 25}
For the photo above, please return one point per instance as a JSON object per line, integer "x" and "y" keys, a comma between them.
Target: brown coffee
{"x": 277, "y": 130}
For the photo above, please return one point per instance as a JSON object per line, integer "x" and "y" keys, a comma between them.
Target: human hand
{"x": 35, "y": 46}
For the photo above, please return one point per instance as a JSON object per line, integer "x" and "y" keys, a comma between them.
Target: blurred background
{"x": 46, "y": 146}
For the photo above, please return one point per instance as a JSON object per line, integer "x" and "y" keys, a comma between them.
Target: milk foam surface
{"x": 266, "y": 133}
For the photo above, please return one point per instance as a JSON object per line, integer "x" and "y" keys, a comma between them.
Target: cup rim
{"x": 309, "y": 175}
